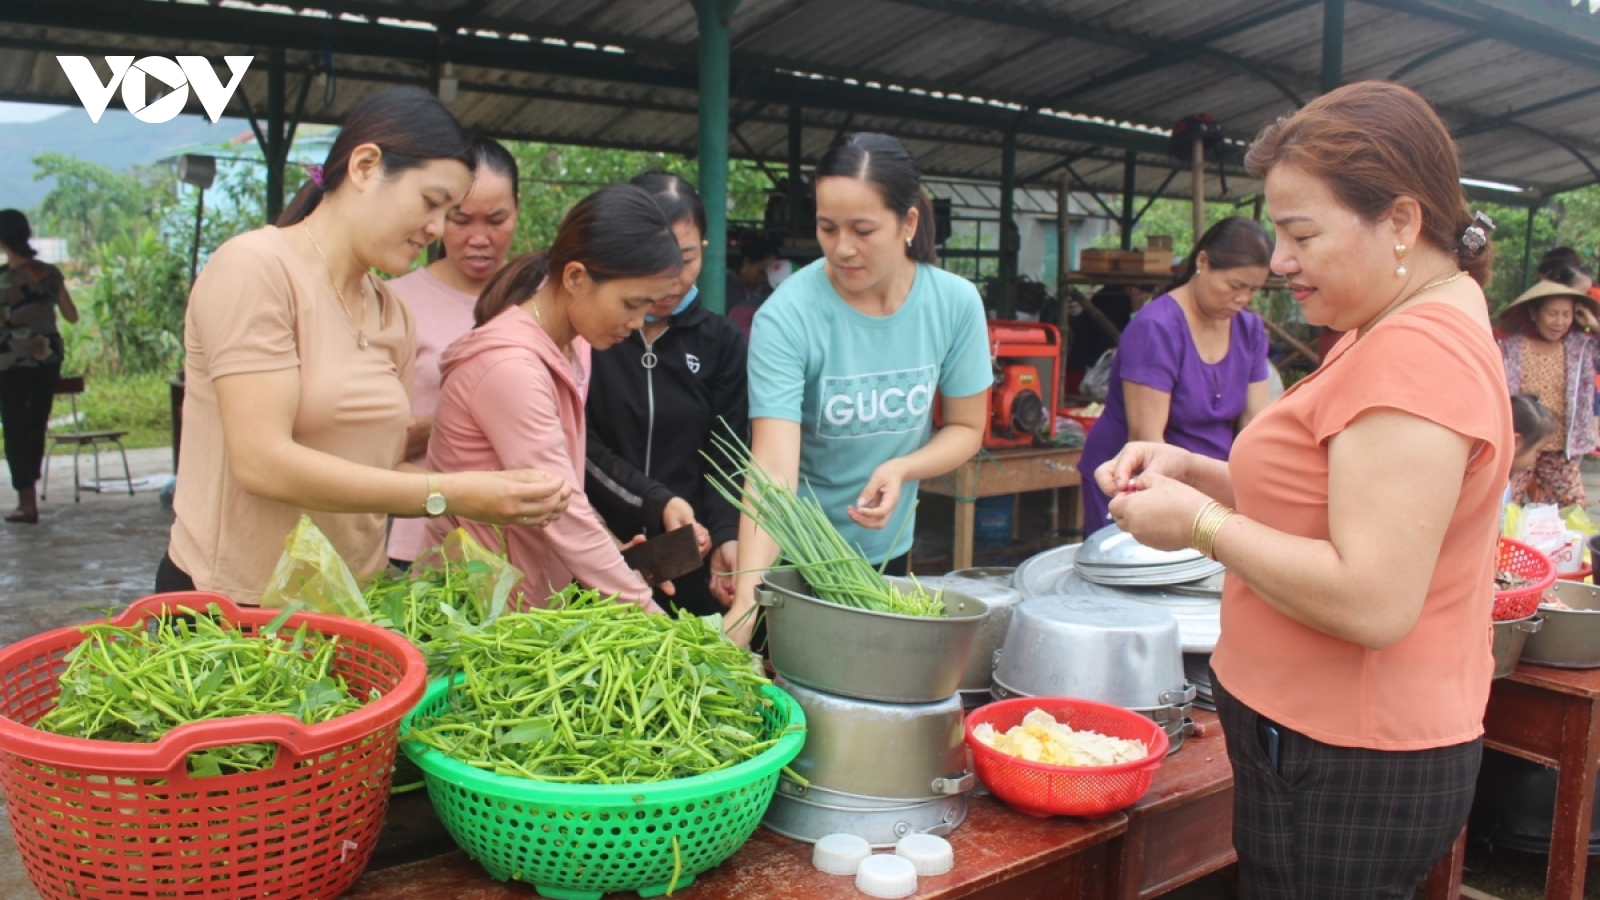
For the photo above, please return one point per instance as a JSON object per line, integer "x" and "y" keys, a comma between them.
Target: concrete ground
{"x": 82, "y": 558}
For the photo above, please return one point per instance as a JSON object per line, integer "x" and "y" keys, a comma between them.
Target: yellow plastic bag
{"x": 1511, "y": 521}
{"x": 311, "y": 572}
{"x": 1577, "y": 519}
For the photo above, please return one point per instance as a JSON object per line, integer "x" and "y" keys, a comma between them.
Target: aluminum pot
{"x": 1115, "y": 651}
{"x": 1570, "y": 638}
{"x": 1510, "y": 637}
{"x": 993, "y": 590}
{"x": 905, "y": 751}
{"x": 808, "y": 813}
{"x": 863, "y": 654}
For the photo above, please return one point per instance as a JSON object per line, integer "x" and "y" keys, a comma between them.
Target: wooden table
{"x": 1552, "y": 716}
{"x": 993, "y": 473}
{"x": 1000, "y": 855}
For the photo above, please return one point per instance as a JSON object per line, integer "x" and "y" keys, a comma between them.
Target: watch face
{"x": 435, "y": 505}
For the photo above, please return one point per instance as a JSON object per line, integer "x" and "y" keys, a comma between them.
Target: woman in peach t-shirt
{"x": 298, "y": 366}
{"x": 1354, "y": 663}
{"x": 477, "y": 237}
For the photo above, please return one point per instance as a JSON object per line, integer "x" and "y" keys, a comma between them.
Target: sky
{"x": 26, "y": 112}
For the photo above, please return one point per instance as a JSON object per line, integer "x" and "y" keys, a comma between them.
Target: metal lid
{"x": 1080, "y": 612}
{"x": 1113, "y": 547}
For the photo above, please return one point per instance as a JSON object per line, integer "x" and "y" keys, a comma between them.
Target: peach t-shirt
{"x": 1428, "y": 689}
{"x": 257, "y": 307}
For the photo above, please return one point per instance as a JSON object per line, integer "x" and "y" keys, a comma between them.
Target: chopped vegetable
{"x": 592, "y": 691}
{"x": 836, "y": 571}
{"x": 1040, "y": 738}
{"x": 137, "y": 683}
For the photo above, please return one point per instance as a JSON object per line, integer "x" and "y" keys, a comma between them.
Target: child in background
{"x": 1532, "y": 422}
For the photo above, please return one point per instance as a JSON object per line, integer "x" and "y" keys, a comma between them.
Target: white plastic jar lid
{"x": 886, "y": 876}
{"x": 840, "y": 854}
{"x": 929, "y": 853}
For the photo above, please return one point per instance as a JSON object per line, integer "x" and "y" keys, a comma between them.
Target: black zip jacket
{"x": 651, "y": 412}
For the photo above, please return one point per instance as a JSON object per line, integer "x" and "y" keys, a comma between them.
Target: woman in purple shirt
{"x": 1191, "y": 368}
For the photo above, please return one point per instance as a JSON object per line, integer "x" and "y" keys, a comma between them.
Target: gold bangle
{"x": 1207, "y": 522}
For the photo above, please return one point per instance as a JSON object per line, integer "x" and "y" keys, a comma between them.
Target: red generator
{"x": 1027, "y": 378}
{"x": 1026, "y": 357}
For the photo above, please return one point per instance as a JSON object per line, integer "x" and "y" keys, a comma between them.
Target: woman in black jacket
{"x": 655, "y": 400}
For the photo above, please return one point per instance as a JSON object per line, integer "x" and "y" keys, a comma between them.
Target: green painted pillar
{"x": 275, "y": 151}
{"x": 1009, "y": 236}
{"x": 715, "y": 80}
{"x": 1332, "y": 44}
{"x": 1130, "y": 175}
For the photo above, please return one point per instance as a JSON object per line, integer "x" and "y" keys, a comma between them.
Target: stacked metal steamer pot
{"x": 1114, "y": 621}
{"x": 885, "y": 753}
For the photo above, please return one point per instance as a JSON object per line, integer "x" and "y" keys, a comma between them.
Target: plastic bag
{"x": 311, "y": 572}
{"x": 1097, "y": 380}
{"x": 1577, "y": 519}
{"x": 491, "y": 577}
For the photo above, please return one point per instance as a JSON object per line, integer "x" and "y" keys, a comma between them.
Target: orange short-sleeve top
{"x": 1428, "y": 689}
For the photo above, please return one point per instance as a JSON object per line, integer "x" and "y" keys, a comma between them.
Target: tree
{"x": 556, "y": 176}
{"x": 90, "y": 204}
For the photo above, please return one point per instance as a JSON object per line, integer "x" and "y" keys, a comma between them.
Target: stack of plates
{"x": 1197, "y": 669}
{"x": 1112, "y": 557}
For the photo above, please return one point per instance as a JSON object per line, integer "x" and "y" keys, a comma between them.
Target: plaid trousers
{"x": 1331, "y": 823}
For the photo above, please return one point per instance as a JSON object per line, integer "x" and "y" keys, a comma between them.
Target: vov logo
{"x": 178, "y": 77}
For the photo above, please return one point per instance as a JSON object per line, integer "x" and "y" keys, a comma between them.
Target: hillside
{"x": 117, "y": 142}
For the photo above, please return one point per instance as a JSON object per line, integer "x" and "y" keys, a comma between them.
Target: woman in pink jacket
{"x": 514, "y": 386}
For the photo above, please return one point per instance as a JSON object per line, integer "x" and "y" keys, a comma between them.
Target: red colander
{"x": 1517, "y": 558}
{"x": 1039, "y": 789}
{"x": 106, "y": 819}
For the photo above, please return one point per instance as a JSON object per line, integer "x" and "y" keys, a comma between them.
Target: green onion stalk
{"x": 837, "y": 571}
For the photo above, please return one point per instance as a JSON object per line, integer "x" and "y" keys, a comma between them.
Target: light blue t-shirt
{"x": 862, "y": 387}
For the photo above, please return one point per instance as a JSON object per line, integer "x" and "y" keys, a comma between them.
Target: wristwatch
{"x": 435, "y": 505}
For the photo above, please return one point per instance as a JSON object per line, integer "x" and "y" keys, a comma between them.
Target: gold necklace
{"x": 360, "y": 324}
{"x": 1436, "y": 283}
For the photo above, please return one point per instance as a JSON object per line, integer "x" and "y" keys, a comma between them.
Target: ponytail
{"x": 514, "y": 283}
{"x": 923, "y": 248}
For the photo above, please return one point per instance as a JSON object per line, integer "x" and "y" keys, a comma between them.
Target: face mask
{"x": 694, "y": 291}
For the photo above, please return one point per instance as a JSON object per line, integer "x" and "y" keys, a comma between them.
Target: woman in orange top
{"x": 1354, "y": 663}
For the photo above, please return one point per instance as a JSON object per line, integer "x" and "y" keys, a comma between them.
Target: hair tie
{"x": 1476, "y": 236}
{"x": 314, "y": 172}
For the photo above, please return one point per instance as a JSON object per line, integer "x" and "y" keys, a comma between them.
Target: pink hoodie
{"x": 511, "y": 400}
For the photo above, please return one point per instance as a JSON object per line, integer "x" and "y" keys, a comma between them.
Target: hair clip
{"x": 314, "y": 172}
{"x": 1476, "y": 237}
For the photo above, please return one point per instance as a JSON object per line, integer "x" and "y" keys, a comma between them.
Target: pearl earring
{"x": 1400, "y": 254}
{"x": 908, "y": 243}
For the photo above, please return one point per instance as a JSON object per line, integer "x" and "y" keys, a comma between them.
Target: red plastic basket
{"x": 101, "y": 819}
{"x": 1038, "y": 789}
{"x": 1517, "y": 558}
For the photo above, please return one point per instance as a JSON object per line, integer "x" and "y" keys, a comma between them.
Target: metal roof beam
{"x": 1436, "y": 54}
{"x": 1527, "y": 37}
{"x": 1489, "y": 124}
{"x": 1183, "y": 52}
{"x": 1571, "y": 23}
{"x": 461, "y": 16}
{"x": 1059, "y": 26}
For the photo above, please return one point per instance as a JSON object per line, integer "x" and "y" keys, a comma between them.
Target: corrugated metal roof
{"x": 1519, "y": 80}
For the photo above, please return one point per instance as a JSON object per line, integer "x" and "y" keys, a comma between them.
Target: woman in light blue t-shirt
{"x": 846, "y": 358}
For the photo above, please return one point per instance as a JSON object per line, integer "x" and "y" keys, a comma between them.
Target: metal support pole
{"x": 194, "y": 250}
{"x": 276, "y": 150}
{"x": 713, "y": 150}
{"x": 1009, "y": 238}
{"x": 1527, "y": 247}
{"x": 1332, "y": 44}
{"x": 797, "y": 192}
{"x": 1130, "y": 172}
{"x": 1197, "y": 175}
{"x": 1063, "y": 255}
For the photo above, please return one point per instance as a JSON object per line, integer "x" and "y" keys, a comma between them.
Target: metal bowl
{"x": 864, "y": 654}
{"x": 1510, "y": 639}
{"x": 1037, "y": 575}
{"x": 1199, "y": 615}
{"x": 906, "y": 751}
{"x": 1002, "y": 599}
{"x": 1097, "y": 648}
{"x": 1570, "y": 638}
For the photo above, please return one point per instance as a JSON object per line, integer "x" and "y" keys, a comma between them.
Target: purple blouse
{"x": 1158, "y": 351}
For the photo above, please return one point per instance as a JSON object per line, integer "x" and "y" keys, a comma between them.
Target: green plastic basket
{"x": 580, "y": 842}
